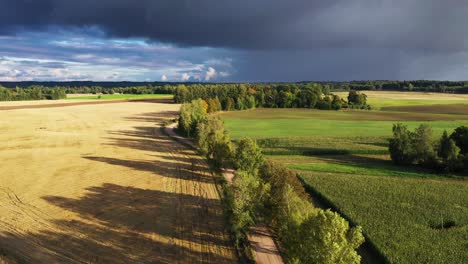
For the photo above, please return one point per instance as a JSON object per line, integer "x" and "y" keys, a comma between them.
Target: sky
{"x": 233, "y": 41}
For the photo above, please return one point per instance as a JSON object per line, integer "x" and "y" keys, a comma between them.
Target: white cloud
{"x": 164, "y": 78}
{"x": 210, "y": 74}
{"x": 185, "y": 77}
{"x": 225, "y": 74}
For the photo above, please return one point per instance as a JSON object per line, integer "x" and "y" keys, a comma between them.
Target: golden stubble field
{"x": 101, "y": 184}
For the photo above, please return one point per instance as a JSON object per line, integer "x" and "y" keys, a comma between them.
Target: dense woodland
{"x": 38, "y": 92}
{"x": 447, "y": 154}
{"x": 285, "y": 94}
{"x": 265, "y": 193}
{"x": 230, "y": 97}
{"x": 31, "y": 93}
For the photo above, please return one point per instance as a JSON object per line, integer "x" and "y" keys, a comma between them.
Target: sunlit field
{"x": 410, "y": 214}
{"x": 116, "y": 96}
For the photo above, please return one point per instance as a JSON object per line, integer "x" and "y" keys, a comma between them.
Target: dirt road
{"x": 101, "y": 184}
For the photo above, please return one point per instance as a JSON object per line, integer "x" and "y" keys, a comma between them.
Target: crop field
{"x": 101, "y": 184}
{"x": 409, "y": 214}
{"x": 380, "y": 99}
{"x": 403, "y": 217}
{"x": 115, "y": 96}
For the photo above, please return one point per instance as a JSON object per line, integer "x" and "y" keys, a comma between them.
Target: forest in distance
{"x": 384, "y": 85}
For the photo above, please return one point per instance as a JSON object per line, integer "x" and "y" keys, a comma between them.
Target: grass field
{"x": 343, "y": 155}
{"x": 102, "y": 184}
{"x": 116, "y": 96}
{"x": 265, "y": 123}
{"x": 380, "y": 99}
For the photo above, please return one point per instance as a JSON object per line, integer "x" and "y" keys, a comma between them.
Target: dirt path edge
{"x": 261, "y": 239}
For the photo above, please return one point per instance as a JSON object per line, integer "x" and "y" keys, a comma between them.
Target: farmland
{"x": 115, "y": 96}
{"x": 343, "y": 156}
{"x": 101, "y": 184}
{"x": 379, "y": 99}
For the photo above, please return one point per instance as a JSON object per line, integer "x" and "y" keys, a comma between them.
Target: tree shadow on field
{"x": 154, "y": 117}
{"x": 166, "y": 157}
{"x": 112, "y": 223}
{"x": 120, "y": 224}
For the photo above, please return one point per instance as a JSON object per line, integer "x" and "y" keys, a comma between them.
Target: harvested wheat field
{"x": 101, "y": 184}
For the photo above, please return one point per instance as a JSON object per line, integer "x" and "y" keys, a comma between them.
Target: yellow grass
{"x": 101, "y": 184}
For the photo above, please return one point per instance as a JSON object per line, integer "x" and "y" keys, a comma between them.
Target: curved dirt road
{"x": 101, "y": 184}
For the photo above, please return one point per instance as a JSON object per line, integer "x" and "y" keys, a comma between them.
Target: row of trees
{"x": 31, "y": 93}
{"x": 38, "y": 92}
{"x": 240, "y": 96}
{"x": 146, "y": 89}
{"x": 264, "y": 193}
{"x": 418, "y": 85}
{"x": 449, "y": 153}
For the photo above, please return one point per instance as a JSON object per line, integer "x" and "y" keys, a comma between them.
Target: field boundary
{"x": 261, "y": 238}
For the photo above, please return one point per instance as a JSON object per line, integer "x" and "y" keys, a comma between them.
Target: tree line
{"x": 262, "y": 192}
{"x": 31, "y": 93}
{"x": 447, "y": 154}
{"x": 144, "y": 89}
{"x": 230, "y": 97}
{"x": 38, "y": 92}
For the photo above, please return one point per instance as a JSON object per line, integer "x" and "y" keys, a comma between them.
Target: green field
{"x": 119, "y": 96}
{"x": 380, "y": 99}
{"x": 265, "y": 123}
{"x": 343, "y": 155}
{"x": 401, "y": 215}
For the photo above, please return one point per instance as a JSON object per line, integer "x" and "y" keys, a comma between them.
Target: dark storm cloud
{"x": 428, "y": 25}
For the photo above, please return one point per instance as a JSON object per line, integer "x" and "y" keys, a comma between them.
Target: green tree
{"x": 400, "y": 146}
{"x": 327, "y": 238}
{"x": 247, "y": 195}
{"x": 191, "y": 114}
{"x": 460, "y": 136}
{"x": 229, "y": 104}
{"x": 214, "y": 141}
{"x": 248, "y": 156}
{"x": 423, "y": 145}
{"x": 449, "y": 153}
{"x": 357, "y": 99}
{"x": 181, "y": 94}
{"x": 336, "y": 103}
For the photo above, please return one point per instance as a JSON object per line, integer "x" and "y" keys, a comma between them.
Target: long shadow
{"x": 167, "y": 169}
{"x": 120, "y": 224}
